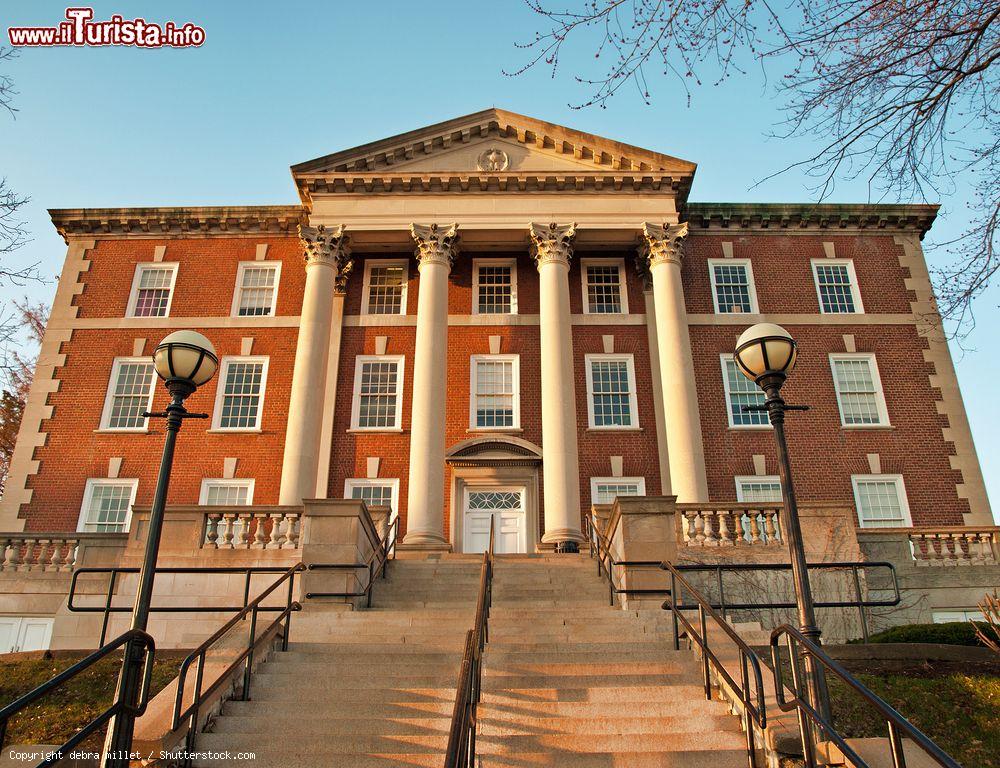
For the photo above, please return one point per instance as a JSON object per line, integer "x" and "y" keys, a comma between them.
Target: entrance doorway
{"x": 505, "y": 507}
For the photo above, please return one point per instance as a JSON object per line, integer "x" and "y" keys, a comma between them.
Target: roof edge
{"x": 901, "y": 216}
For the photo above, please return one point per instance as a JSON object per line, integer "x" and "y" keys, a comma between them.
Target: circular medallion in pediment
{"x": 493, "y": 159}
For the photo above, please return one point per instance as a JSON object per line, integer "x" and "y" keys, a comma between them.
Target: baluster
{"x": 711, "y": 535}
{"x": 12, "y": 561}
{"x": 6, "y": 553}
{"x": 243, "y": 537}
{"x": 754, "y": 521}
{"x": 291, "y": 531}
{"x": 212, "y": 521}
{"x": 687, "y": 528}
{"x": 986, "y": 548}
{"x": 28, "y": 555}
{"x": 944, "y": 545}
{"x": 55, "y": 556}
{"x": 699, "y": 528}
{"x": 258, "y": 534}
{"x": 962, "y": 548}
{"x": 69, "y": 555}
{"x": 724, "y": 535}
{"x": 228, "y": 521}
{"x": 770, "y": 529}
{"x": 274, "y": 542}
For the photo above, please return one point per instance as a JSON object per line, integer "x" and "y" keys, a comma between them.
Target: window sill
{"x": 615, "y": 429}
{"x": 867, "y": 427}
{"x": 750, "y": 428}
{"x": 375, "y": 431}
{"x": 494, "y": 430}
{"x": 221, "y": 431}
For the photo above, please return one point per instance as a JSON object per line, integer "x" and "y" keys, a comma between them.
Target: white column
{"x": 552, "y": 249}
{"x": 663, "y": 248}
{"x": 326, "y": 252}
{"x": 436, "y": 248}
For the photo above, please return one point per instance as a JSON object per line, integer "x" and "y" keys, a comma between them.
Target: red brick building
{"x": 496, "y": 314}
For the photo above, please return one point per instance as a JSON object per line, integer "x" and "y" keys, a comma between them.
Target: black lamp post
{"x": 184, "y": 360}
{"x": 765, "y": 354}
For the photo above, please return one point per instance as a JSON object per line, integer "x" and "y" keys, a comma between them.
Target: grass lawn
{"x": 957, "y": 708}
{"x": 67, "y": 709}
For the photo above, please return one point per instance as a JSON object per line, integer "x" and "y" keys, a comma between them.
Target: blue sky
{"x": 280, "y": 83}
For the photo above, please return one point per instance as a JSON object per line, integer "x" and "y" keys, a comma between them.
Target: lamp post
{"x": 184, "y": 360}
{"x": 765, "y": 354}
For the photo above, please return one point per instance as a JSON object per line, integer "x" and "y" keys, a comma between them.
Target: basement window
{"x": 380, "y": 492}
{"x": 881, "y": 501}
{"x": 223, "y": 492}
{"x": 604, "y": 490}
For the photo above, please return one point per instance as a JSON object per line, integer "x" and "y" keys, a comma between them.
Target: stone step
{"x": 317, "y": 749}
{"x": 333, "y": 684}
{"x": 320, "y": 696}
{"x": 652, "y": 693}
{"x": 308, "y": 666}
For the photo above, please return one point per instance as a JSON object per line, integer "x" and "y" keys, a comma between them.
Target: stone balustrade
{"x": 249, "y": 528}
{"x": 955, "y": 546}
{"x": 729, "y": 525}
{"x": 38, "y": 551}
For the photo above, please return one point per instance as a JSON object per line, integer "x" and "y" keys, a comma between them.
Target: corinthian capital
{"x": 552, "y": 243}
{"x": 663, "y": 243}
{"x": 327, "y": 245}
{"x": 435, "y": 243}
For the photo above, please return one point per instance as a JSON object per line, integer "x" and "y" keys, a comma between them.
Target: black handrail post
{"x": 861, "y": 607}
{"x": 251, "y": 643}
{"x": 118, "y": 742}
{"x": 674, "y": 608}
{"x": 107, "y": 606}
{"x": 704, "y": 653}
{"x": 288, "y": 617}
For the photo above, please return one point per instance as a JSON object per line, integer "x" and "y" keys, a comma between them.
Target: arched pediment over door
{"x": 494, "y": 466}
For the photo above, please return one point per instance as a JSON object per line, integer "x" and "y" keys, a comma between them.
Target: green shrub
{"x": 949, "y": 633}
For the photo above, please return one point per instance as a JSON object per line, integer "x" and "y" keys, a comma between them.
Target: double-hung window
{"x": 859, "y": 391}
{"x": 378, "y": 393}
{"x": 837, "y": 286}
{"x": 611, "y": 398}
{"x": 881, "y": 501}
{"x": 732, "y": 286}
{"x": 375, "y": 492}
{"x": 494, "y": 290}
{"x": 107, "y": 505}
{"x": 152, "y": 290}
{"x": 604, "y": 490}
{"x": 130, "y": 394}
{"x": 239, "y": 401}
{"x": 758, "y": 489}
{"x": 384, "y": 289}
{"x": 604, "y": 291}
{"x": 495, "y": 387}
{"x": 256, "y": 289}
{"x": 232, "y": 492}
{"x": 740, "y": 392}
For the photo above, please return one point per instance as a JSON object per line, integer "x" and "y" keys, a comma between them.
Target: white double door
{"x": 505, "y": 507}
{"x": 24, "y": 633}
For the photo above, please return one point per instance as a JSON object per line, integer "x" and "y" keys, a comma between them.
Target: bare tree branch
{"x": 900, "y": 93}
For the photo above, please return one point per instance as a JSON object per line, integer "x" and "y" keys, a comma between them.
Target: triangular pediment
{"x": 495, "y": 141}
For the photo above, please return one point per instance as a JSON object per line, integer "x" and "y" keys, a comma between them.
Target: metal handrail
{"x": 141, "y": 639}
{"x": 107, "y": 609}
{"x": 898, "y": 725}
{"x": 190, "y": 714}
{"x": 606, "y": 564}
{"x": 753, "y": 702}
{"x": 376, "y": 564}
{"x": 462, "y": 735}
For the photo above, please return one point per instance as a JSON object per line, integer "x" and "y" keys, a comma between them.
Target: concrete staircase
{"x": 567, "y": 680}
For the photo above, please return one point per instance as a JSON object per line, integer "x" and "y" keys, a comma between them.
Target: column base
{"x": 418, "y": 541}
{"x": 562, "y": 536}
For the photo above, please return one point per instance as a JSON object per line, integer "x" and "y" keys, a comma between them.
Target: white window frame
{"x": 109, "y": 396}
{"x": 476, "y": 264}
{"x": 359, "y": 361}
{"x": 739, "y": 480}
{"x": 900, "y": 490}
{"x": 633, "y": 400}
{"x": 238, "y": 289}
{"x": 133, "y": 297}
{"x": 751, "y": 285}
{"x": 88, "y": 495}
{"x": 216, "y": 482}
{"x": 883, "y": 412}
{"x": 723, "y": 359}
{"x": 859, "y": 308}
{"x": 968, "y": 614}
{"x": 622, "y": 284}
{"x": 221, "y": 387}
{"x": 362, "y": 482}
{"x": 366, "y": 284}
{"x": 596, "y": 481}
{"x": 473, "y": 360}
